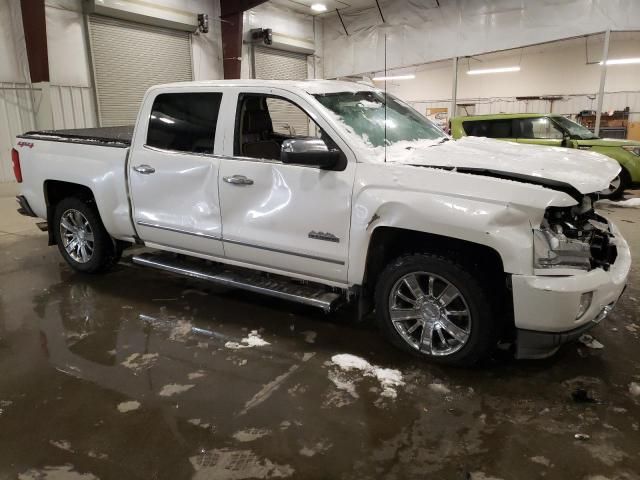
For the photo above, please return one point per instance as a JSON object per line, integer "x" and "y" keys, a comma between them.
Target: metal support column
{"x": 454, "y": 88}
{"x": 603, "y": 78}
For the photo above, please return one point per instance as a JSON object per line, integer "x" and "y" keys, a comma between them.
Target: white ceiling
{"x": 304, "y": 6}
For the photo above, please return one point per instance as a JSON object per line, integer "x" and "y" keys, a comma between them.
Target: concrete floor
{"x": 130, "y": 375}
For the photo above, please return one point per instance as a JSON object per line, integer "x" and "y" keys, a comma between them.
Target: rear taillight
{"x": 17, "y": 171}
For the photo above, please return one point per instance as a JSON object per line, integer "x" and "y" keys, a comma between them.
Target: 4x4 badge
{"x": 326, "y": 236}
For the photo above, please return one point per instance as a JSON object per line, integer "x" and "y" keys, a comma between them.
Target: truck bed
{"x": 119, "y": 137}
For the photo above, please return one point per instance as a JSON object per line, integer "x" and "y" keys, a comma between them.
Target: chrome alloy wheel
{"x": 430, "y": 313}
{"x": 76, "y": 235}
{"x": 613, "y": 186}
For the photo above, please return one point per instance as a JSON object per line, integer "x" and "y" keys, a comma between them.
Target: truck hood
{"x": 554, "y": 167}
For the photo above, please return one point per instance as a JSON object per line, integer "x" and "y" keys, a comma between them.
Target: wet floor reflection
{"x": 137, "y": 374}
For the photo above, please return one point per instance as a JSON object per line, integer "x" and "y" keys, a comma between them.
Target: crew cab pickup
{"x": 326, "y": 192}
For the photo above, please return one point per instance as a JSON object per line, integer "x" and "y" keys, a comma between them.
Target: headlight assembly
{"x": 555, "y": 250}
{"x": 635, "y": 149}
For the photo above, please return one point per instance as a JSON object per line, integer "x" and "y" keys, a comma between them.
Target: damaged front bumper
{"x": 546, "y": 307}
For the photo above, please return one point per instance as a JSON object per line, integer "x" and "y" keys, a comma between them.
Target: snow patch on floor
{"x": 174, "y": 389}
{"x": 62, "y": 445}
{"x": 313, "y": 450}
{"x": 252, "y": 340}
{"x": 61, "y": 472}
{"x": 629, "y": 203}
{"x": 198, "y": 374}
{"x": 634, "y": 389}
{"x": 439, "y": 388}
{"x": 250, "y": 434}
{"x": 198, "y": 423}
{"x": 140, "y": 361}
{"x": 310, "y": 336}
{"x": 389, "y": 378}
{"x": 180, "y": 331}
{"x": 227, "y": 464}
{"x": 541, "y": 460}
{"x": 131, "y": 405}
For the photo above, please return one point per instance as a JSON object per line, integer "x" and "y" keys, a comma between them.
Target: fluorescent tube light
{"x": 394, "y": 77}
{"x": 622, "y": 61}
{"x": 319, "y": 7}
{"x": 493, "y": 70}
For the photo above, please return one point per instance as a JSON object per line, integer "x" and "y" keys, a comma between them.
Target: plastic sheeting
{"x": 421, "y": 32}
{"x": 285, "y": 22}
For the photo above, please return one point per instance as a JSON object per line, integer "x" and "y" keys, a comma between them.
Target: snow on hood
{"x": 586, "y": 171}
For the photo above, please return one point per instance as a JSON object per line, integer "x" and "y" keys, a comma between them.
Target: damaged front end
{"x": 574, "y": 238}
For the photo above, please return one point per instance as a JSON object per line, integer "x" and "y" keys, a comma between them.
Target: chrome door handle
{"x": 238, "y": 180}
{"x": 144, "y": 169}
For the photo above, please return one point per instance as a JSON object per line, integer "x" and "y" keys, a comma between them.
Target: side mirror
{"x": 308, "y": 151}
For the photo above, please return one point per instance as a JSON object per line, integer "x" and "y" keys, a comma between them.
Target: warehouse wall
{"x": 71, "y": 94}
{"x": 569, "y": 68}
{"x": 423, "y": 32}
{"x": 287, "y": 23}
{"x": 70, "y": 68}
{"x": 16, "y": 98}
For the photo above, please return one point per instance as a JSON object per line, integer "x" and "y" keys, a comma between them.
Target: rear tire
{"x": 81, "y": 237}
{"x": 617, "y": 186}
{"x": 449, "y": 317}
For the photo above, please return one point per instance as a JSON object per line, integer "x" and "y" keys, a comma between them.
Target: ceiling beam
{"x": 35, "y": 37}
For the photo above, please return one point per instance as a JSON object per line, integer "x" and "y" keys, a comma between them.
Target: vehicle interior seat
{"x": 257, "y": 131}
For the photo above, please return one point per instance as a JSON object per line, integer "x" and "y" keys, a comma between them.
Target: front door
{"x": 173, "y": 174}
{"x": 538, "y": 131}
{"x": 291, "y": 218}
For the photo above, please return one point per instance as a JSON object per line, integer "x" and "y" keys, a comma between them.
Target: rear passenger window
{"x": 184, "y": 122}
{"x": 541, "y": 128}
{"x": 489, "y": 128}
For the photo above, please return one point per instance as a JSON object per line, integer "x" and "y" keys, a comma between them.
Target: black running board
{"x": 274, "y": 285}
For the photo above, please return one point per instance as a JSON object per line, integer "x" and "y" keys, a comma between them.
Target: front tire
{"x": 617, "y": 186}
{"x": 81, "y": 237}
{"x": 433, "y": 307}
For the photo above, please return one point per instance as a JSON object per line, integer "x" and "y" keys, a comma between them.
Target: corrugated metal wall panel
{"x": 16, "y": 117}
{"x": 128, "y": 58}
{"x": 73, "y": 107}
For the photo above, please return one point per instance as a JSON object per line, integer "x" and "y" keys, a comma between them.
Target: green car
{"x": 557, "y": 131}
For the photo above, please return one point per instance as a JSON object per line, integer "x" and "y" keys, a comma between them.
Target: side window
{"x": 263, "y": 122}
{"x": 288, "y": 119}
{"x": 475, "y": 129}
{"x": 184, "y": 122}
{"x": 489, "y": 128}
{"x": 540, "y": 128}
{"x": 500, "y": 129}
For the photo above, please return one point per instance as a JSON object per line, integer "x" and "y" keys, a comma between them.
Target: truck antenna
{"x": 385, "y": 98}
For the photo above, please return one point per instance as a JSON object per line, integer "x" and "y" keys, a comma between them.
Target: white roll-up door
{"x": 128, "y": 58}
{"x": 272, "y": 64}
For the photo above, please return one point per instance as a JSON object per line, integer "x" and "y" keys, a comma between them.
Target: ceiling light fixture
{"x": 393, "y": 77}
{"x": 493, "y": 70}
{"x": 319, "y": 7}
{"x": 622, "y": 61}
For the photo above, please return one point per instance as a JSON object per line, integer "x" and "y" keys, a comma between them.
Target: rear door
{"x": 173, "y": 173}
{"x": 538, "y": 131}
{"x": 292, "y": 218}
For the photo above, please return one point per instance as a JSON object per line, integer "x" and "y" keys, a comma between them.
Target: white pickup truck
{"x": 322, "y": 192}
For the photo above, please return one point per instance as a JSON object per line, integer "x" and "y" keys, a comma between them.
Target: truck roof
{"x": 499, "y": 116}
{"x": 309, "y": 86}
